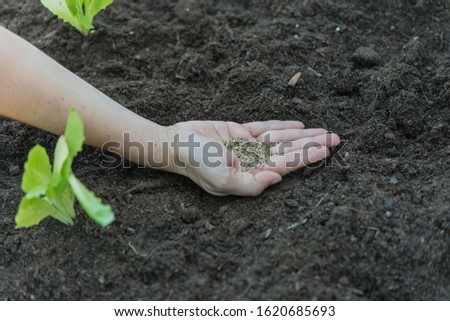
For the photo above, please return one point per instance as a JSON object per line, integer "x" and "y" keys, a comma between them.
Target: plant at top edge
{"x": 52, "y": 192}
{"x": 79, "y": 13}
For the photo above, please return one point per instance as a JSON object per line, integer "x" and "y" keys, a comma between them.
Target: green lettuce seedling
{"x": 52, "y": 192}
{"x": 79, "y": 13}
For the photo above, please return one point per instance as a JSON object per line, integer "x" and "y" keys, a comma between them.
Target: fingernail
{"x": 275, "y": 181}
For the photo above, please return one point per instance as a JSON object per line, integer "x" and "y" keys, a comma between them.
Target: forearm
{"x": 36, "y": 90}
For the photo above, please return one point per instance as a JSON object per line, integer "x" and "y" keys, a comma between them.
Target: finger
{"x": 259, "y": 127}
{"x": 328, "y": 139}
{"x": 284, "y": 164}
{"x": 285, "y": 135}
{"x": 235, "y": 130}
{"x": 248, "y": 184}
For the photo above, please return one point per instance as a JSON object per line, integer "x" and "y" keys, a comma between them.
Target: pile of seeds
{"x": 251, "y": 153}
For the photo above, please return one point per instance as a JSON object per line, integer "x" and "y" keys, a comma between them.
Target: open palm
{"x": 295, "y": 147}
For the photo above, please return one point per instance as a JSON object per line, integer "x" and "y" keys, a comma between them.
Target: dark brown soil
{"x": 375, "y": 229}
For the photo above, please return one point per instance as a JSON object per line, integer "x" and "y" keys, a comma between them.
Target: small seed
{"x": 294, "y": 79}
{"x": 251, "y": 153}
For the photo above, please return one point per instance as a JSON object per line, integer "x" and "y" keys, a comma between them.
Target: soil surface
{"x": 370, "y": 224}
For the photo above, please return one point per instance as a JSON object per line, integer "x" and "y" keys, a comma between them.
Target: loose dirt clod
{"x": 251, "y": 153}
{"x": 366, "y": 56}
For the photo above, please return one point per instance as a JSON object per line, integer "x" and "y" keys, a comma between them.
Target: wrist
{"x": 174, "y": 163}
{"x": 140, "y": 141}
{"x": 162, "y": 153}
{"x": 157, "y": 145}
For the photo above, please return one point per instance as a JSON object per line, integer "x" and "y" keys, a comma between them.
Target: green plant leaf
{"x": 37, "y": 175}
{"x": 32, "y": 211}
{"x": 62, "y": 199}
{"x": 74, "y": 133}
{"x": 53, "y": 193}
{"x": 67, "y": 11}
{"x": 92, "y": 7}
{"x": 75, "y": 7}
{"x": 92, "y": 205}
{"x": 67, "y": 147}
{"x": 61, "y": 155}
{"x": 78, "y": 13}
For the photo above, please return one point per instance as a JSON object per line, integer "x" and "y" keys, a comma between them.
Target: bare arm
{"x": 36, "y": 90}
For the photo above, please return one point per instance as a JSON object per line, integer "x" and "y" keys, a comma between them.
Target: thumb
{"x": 254, "y": 184}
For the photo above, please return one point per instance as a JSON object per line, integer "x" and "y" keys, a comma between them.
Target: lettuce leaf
{"x": 52, "y": 193}
{"x": 92, "y": 205}
{"x": 37, "y": 175}
{"x": 78, "y": 13}
{"x": 33, "y": 210}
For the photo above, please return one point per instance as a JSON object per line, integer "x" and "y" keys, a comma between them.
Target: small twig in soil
{"x": 351, "y": 132}
{"x": 142, "y": 186}
{"x": 144, "y": 255}
{"x": 314, "y": 72}
{"x": 321, "y": 200}
{"x": 375, "y": 229}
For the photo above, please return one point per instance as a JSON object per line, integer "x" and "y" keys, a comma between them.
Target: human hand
{"x": 295, "y": 148}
